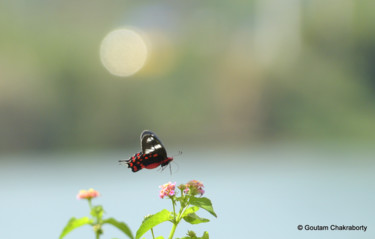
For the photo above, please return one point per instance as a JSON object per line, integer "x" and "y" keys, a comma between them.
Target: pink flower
{"x": 194, "y": 187}
{"x": 167, "y": 189}
{"x": 88, "y": 194}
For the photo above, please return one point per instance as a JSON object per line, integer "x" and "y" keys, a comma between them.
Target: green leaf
{"x": 159, "y": 237}
{"x": 97, "y": 212}
{"x": 153, "y": 221}
{"x": 205, "y": 236}
{"x": 190, "y": 210}
{"x": 191, "y": 235}
{"x": 203, "y": 203}
{"x": 74, "y": 223}
{"x": 193, "y": 218}
{"x": 120, "y": 225}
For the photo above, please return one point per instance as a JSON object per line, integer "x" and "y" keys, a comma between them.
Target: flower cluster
{"x": 191, "y": 195}
{"x": 88, "y": 194}
{"x": 193, "y": 187}
{"x": 167, "y": 189}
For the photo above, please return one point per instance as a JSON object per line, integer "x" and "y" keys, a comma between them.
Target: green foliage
{"x": 190, "y": 210}
{"x": 97, "y": 212}
{"x": 193, "y": 218}
{"x": 120, "y": 225}
{"x": 153, "y": 221}
{"x": 190, "y": 193}
{"x": 205, "y": 236}
{"x": 75, "y": 223}
{"x": 96, "y": 222}
{"x": 192, "y": 235}
{"x": 203, "y": 203}
{"x": 189, "y": 204}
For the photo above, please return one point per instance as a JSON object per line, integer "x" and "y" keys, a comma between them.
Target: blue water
{"x": 264, "y": 193}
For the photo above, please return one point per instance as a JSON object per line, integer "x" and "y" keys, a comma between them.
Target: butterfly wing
{"x": 134, "y": 162}
{"x": 151, "y": 144}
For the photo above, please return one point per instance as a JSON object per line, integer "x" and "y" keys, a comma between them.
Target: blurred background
{"x": 277, "y": 95}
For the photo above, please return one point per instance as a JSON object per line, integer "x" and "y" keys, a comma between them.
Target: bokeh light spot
{"x": 123, "y": 52}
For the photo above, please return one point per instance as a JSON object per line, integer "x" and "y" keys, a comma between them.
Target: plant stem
{"x": 97, "y": 233}
{"x": 174, "y": 210}
{"x": 182, "y": 210}
{"x": 175, "y": 222}
{"x": 90, "y": 205}
{"x": 152, "y": 231}
{"x": 173, "y": 230}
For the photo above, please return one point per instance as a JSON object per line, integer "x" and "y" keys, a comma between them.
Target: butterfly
{"x": 153, "y": 153}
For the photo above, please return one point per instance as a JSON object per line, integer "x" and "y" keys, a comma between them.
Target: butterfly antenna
{"x": 120, "y": 162}
{"x": 178, "y": 168}
{"x": 179, "y": 153}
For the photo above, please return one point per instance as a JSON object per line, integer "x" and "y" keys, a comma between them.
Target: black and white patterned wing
{"x": 151, "y": 144}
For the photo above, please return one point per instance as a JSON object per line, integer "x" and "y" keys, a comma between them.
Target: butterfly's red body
{"x": 149, "y": 161}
